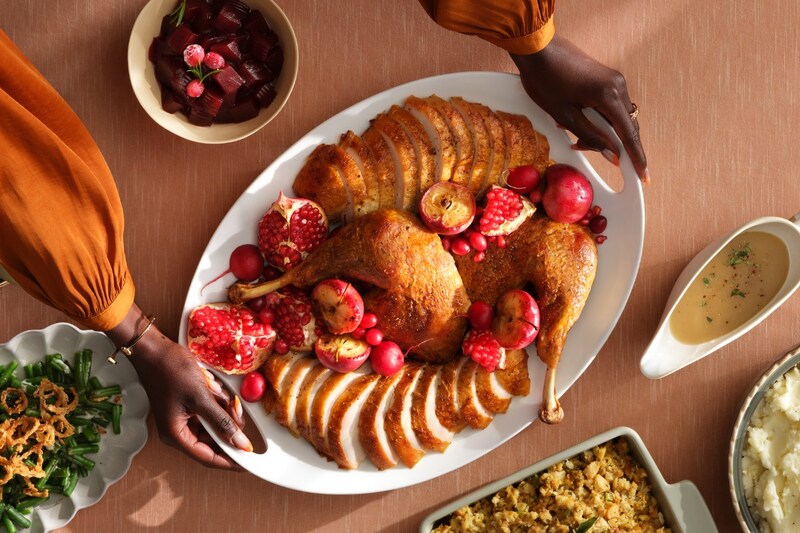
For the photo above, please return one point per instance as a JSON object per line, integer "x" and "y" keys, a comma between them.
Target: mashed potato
{"x": 771, "y": 457}
{"x": 603, "y": 490}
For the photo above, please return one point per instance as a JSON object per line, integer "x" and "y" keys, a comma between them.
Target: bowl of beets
{"x": 212, "y": 71}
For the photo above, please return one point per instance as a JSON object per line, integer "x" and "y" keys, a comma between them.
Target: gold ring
{"x": 635, "y": 113}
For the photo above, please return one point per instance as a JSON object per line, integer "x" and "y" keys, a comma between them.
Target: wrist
{"x": 136, "y": 337}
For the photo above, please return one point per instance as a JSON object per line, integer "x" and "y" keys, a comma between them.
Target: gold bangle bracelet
{"x": 128, "y": 350}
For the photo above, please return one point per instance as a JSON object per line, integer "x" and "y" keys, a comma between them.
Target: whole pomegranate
{"x": 290, "y": 229}
{"x": 229, "y": 337}
{"x": 294, "y": 319}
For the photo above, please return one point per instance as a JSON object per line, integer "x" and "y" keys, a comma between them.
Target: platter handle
{"x": 250, "y": 461}
{"x": 632, "y": 185}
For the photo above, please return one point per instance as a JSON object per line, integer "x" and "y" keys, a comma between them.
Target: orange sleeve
{"x": 519, "y": 26}
{"x": 61, "y": 219}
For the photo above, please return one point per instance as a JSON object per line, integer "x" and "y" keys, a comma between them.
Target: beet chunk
{"x": 253, "y": 72}
{"x": 261, "y": 44}
{"x": 228, "y": 80}
{"x": 182, "y": 38}
{"x": 230, "y": 17}
{"x": 228, "y": 49}
{"x": 205, "y": 109}
{"x": 255, "y": 22}
{"x": 245, "y": 110}
{"x": 265, "y": 94}
{"x": 275, "y": 61}
{"x": 169, "y": 102}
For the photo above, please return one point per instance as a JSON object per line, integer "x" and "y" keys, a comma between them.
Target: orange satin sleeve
{"x": 519, "y": 26}
{"x": 61, "y": 219}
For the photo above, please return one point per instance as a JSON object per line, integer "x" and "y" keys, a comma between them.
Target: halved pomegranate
{"x": 290, "y": 229}
{"x": 229, "y": 337}
{"x": 505, "y": 211}
{"x": 294, "y": 321}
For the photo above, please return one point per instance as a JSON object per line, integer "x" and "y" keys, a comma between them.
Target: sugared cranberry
{"x": 195, "y": 88}
{"x": 193, "y": 55}
{"x": 214, "y": 61}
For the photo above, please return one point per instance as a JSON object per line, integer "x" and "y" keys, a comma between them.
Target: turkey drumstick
{"x": 414, "y": 286}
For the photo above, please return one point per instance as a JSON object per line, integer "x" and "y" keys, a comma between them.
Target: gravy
{"x": 735, "y": 285}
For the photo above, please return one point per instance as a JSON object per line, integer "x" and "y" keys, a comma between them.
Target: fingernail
{"x": 611, "y": 156}
{"x": 237, "y": 408}
{"x": 580, "y": 146}
{"x": 646, "y": 177}
{"x": 212, "y": 384}
{"x": 241, "y": 441}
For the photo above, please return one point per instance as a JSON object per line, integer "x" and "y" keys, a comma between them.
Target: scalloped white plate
{"x": 293, "y": 463}
{"x": 116, "y": 451}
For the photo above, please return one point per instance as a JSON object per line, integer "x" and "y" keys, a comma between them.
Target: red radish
{"x": 253, "y": 387}
{"x": 387, "y": 358}
{"x": 568, "y": 195}
{"x": 229, "y": 337}
{"x": 374, "y": 337}
{"x": 290, "y": 229}
{"x": 447, "y": 208}
{"x": 480, "y": 315}
{"x": 245, "y": 262}
{"x": 370, "y": 320}
{"x": 523, "y": 179}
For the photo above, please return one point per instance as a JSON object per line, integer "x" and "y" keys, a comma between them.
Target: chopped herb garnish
{"x": 737, "y": 292}
{"x": 739, "y": 255}
{"x": 585, "y": 526}
{"x": 709, "y": 319}
{"x": 177, "y": 15}
{"x": 706, "y": 282}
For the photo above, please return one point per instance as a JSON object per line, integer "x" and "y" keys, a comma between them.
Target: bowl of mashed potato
{"x": 764, "y": 459}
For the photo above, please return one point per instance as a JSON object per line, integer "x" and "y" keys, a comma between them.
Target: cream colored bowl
{"x": 666, "y": 354}
{"x": 145, "y": 86}
{"x": 749, "y": 406}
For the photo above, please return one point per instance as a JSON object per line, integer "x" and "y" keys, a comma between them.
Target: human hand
{"x": 180, "y": 392}
{"x": 563, "y": 80}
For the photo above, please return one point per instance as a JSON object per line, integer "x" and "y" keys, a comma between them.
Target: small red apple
{"x": 447, "y": 208}
{"x": 516, "y": 321}
{"x": 568, "y": 196}
{"x": 341, "y": 353}
{"x": 339, "y": 305}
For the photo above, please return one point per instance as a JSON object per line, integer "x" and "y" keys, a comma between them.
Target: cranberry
{"x": 374, "y": 337}
{"x": 369, "y": 320}
{"x": 480, "y": 315}
{"x": 598, "y": 224}
{"x": 460, "y": 246}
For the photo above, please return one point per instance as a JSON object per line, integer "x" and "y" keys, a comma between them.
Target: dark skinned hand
{"x": 563, "y": 80}
{"x": 179, "y": 392}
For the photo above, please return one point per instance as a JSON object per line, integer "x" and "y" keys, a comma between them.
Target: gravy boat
{"x": 666, "y": 354}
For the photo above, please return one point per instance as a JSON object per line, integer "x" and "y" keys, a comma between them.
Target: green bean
{"x": 90, "y": 434}
{"x": 28, "y": 503}
{"x": 106, "y": 407}
{"x": 28, "y": 370}
{"x": 81, "y": 461}
{"x": 18, "y": 518}
{"x": 7, "y": 372}
{"x": 8, "y": 524}
{"x": 116, "y": 415}
{"x": 105, "y": 392}
{"x": 73, "y": 481}
{"x": 81, "y": 450}
{"x": 48, "y": 471}
{"x": 94, "y": 383}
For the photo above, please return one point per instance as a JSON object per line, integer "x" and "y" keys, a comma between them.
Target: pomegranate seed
{"x": 460, "y": 246}
{"x": 596, "y": 210}
{"x": 479, "y": 256}
{"x": 369, "y": 320}
{"x": 478, "y": 241}
{"x": 374, "y": 337}
{"x": 600, "y": 239}
{"x": 281, "y": 347}
{"x": 359, "y": 334}
{"x": 266, "y": 316}
{"x": 584, "y": 221}
{"x": 501, "y": 241}
{"x": 598, "y": 224}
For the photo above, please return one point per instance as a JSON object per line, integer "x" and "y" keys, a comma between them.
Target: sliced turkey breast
{"x": 471, "y": 408}
{"x": 514, "y": 378}
{"x": 404, "y": 157}
{"x": 371, "y": 423}
{"x": 515, "y": 144}
{"x": 525, "y": 132}
{"x": 322, "y": 406}
{"x": 447, "y": 408}
{"x": 491, "y": 395}
{"x": 496, "y": 163}
{"x": 361, "y": 155}
{"x": 398, "y": 418}
{"x": 305, "y": 397}
{"x": 430, "y": 432}
{"x": 423, "y": 148}
{"x": 343, "y": 444}
{"x": 465, "y": 149}
{"x": 320, "y": 180}
{"x": 481, "y": 143}
{"x": 383, "y": 162}
{"x": 438, "y": 132}
{"x": 285, "y": 413}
